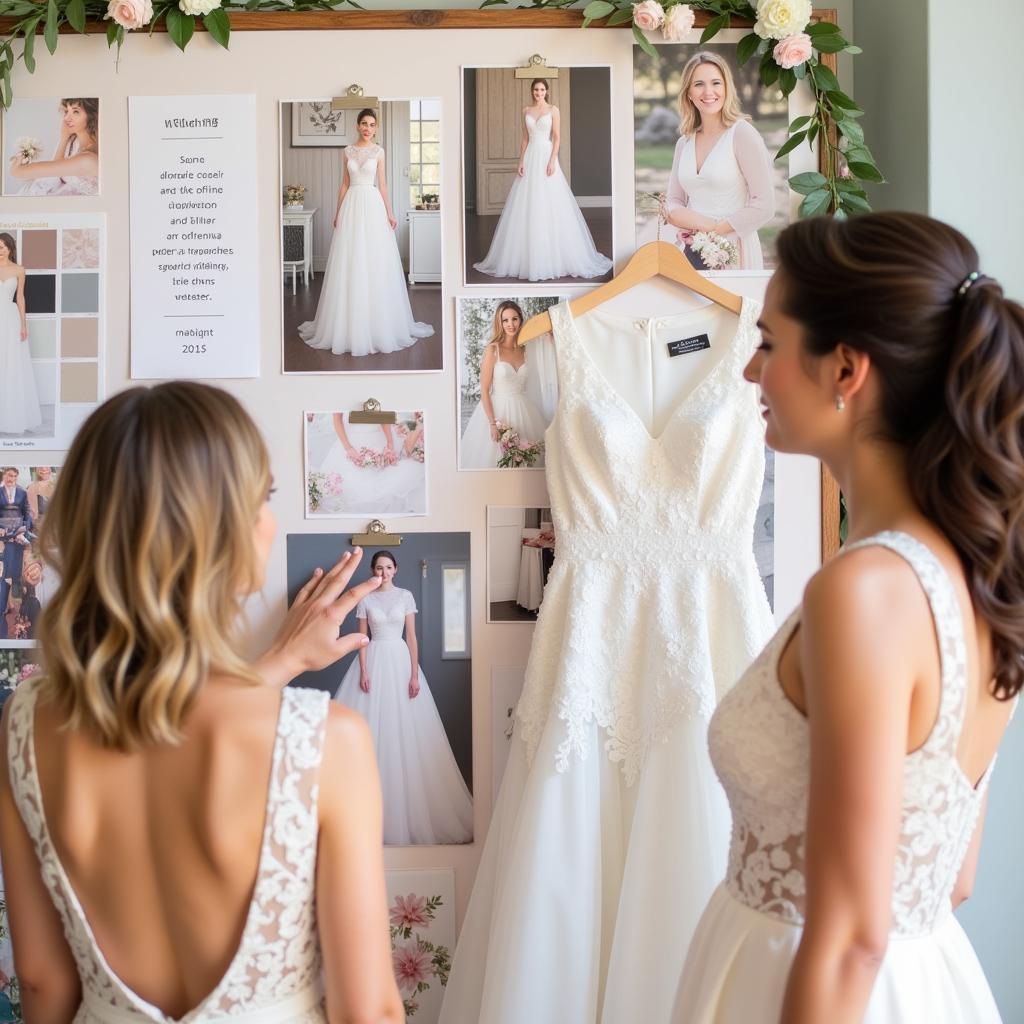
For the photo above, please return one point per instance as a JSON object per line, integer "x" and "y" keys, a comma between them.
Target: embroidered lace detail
{"x": 278, "y": 958}
{"x": 362, "y": 163}
{"x": 654, "y": 539}
{"x": 760, "y": 747}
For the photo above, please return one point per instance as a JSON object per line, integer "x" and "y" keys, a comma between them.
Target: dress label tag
{"x": 685, "y": 345}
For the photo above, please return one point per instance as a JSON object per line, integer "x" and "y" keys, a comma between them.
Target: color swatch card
{"x": 195, "y": 277}
{"x": 51, "y": 326}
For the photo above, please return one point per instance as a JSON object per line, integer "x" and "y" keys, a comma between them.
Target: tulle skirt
{"x": 425, "y": 797}
{"x": 19, "y": 400}
{"x": 364, "y": 304}
{"x": 541, "y": 233}
{"x": 514, "y": 410}
{"x": 738, "y": 965}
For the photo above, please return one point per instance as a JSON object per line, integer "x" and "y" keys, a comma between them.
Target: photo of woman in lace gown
{"x": 364, "y": 305}
{"x": 19, "y": 399}
{"x": 504, "y": 400}
{"x": 74, "y": 169}
{"x": 425, "y": 797}
{"x": 857, "y": 749}
{"x": 525, "y": 222}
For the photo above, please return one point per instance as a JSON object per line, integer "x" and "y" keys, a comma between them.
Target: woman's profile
{"x": 75, "y": 166}
{"x": 182, "y": 834}
{"x": 721, "y": 177}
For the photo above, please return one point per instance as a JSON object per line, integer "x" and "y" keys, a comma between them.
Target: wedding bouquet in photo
{"x": 27, "y": 149}
{"x": 320, "y": 486}
{"x": 514, "y": 454}
{"x": 716, "y": 251}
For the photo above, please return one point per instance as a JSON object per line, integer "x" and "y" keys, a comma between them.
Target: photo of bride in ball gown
{"x": 538, "y": 185}
{"x": 358, "y": 238}
{"x": 69, "y": 129}
{"x": 413, "y": 681}
{"x": 365, "y": 469}
{"x": 507, "y": 393}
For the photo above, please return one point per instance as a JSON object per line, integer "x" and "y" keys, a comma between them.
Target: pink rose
{"x": 648, "y": 15}
{"x": 130, "y": 14}
{"x": 792, "y": 50}
{"x": 678, "y": 22}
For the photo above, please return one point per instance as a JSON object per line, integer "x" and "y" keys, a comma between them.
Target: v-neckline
{"x": 686, "y": 399}
{"x": 138, "y": 1002}
{"x": 707, "y": 156}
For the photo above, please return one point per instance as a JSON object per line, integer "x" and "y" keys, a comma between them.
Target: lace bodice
{"x": 508, "y": 380}
{"x": 760, "y": 746}
{"x": 274, "y": 976}
{"x": 663, "y": 606}
{"x": 362, "y": 163}
{"x": 386, "y": 611}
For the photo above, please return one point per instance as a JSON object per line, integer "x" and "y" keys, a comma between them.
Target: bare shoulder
{"x": 347, "y": 737}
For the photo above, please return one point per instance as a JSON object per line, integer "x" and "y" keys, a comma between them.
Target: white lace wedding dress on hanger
{"x": 610, "y": 831}
{"x": 364, "y": 304}
{"x": 541, "y": 233}
{"x": 274, "y": 976}
{"x": 739, "y": 962}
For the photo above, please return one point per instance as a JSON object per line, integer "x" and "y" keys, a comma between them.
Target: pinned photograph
{"x": 520, "y": 554}
{"x": 361, "y": 237}
{"x": 412, "y": 681}
{"x": 365, "y": 469}
{"x": 507, "y": 392}
{"x": 52, "y": 147}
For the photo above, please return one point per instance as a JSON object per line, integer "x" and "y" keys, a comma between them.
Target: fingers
{"x": 336, "y": 578}
{"x": 350, "y": 598}
{"x": 348, "y": 643}
{"x": 308, "y": 587}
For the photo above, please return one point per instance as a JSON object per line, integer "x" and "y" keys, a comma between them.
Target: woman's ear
{"x": 851, "y": 368}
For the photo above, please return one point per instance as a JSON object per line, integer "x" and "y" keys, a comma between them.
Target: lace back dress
{"x": 364, "y": 303}
{"x": 274, "y": 977}
{"x": 541, "y": 233}
{"x": 739, "y": 962}
{"x": 610, "y": 831}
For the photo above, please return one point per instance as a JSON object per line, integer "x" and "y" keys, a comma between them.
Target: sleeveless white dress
{"x": 364, "y": 304}
{"x": 610, "y": 832}
{"x": 738, "y": 965}
{"x": 425, "y": 797}
{"x": 274, "y": 977}
{"x": 512, "y": 406}
{"x": 541, "y": 233}
{"x": 19, "y": 400}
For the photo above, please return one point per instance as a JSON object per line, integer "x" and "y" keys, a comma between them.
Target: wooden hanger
{"x": 655, "y": 259}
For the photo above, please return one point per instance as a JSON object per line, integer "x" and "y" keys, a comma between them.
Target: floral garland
{"x": 790, "y": 50}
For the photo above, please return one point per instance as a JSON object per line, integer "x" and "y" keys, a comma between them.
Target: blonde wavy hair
{"x": 689, "y": 115}
{"x": 151, "y": 532}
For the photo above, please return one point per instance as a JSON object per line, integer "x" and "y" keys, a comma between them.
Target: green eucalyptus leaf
{"x": 770, "y": 74}
{"x": 815, "y": 203}
{"x": 180, "y": 27}
{"x": 851, "y": 186}
{"x": 620, "y": 17}
{"x": 812, "y": 132}
{"x": 111, "y": 33}
{"x": 790, "y": 144}
{"x": 851, "y": 130}
{"x": 28, "y": 53}
{"x": 839, "y": 98}
{"x": 218, "y": 25}
{"x": 787, "y": 81}
{"x": 824, "y": 79}
{"x": 808, "y": 182}
{"x": 853, "y": 49}
{"x": 597, "y": 9}
{"x": 50, "y": 28}
{"x": 644, "y": 43}
{"x": 853, "y": 203}
{"x": 865, "y": 171}
{"x": 859, "y": 152}
{"x": 799, "y": 122}
{"x": 822, "y": 28}
{"x": 800, "y": 70}
{"x": 747, "y": 47}
{"x": 714, "y": 26}
{"x": 75, "y": 13}
{"x": 830, "y": 44}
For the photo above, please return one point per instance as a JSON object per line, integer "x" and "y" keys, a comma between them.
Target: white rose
{"x": 678, "y": 21}
{"x": 777, "y": 19}
{"x": 199, "y": 8}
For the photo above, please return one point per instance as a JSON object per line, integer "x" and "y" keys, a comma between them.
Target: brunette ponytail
{"x": 949, "y": 347}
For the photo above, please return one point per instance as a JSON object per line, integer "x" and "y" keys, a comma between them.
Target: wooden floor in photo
{"x": 426, "y": 354}
{"x": 480, "y": 231}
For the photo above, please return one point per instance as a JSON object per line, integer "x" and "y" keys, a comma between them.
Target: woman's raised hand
{"x": 308, "y": 638}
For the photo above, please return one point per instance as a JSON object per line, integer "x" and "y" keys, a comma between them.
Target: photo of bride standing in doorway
{"x": 361, "y": 237}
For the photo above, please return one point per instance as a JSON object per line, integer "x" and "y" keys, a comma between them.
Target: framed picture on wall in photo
{"x": 727, "y": 184}
{"x": 361, "y": 239}
{"x": 413, "y": 681}
{"x": 537, "y": 175}
{"x": 316, "y": 124}
{"x": 520, "y": 554}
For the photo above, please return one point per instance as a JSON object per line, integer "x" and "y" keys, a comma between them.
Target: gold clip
{"x": 354, "y": 99}
{"x": 372, "y": 413}
{"x": 536, "y": 67}
{"x": 376, "y": 536}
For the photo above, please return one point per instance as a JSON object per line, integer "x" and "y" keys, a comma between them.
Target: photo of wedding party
{"x": 537, "y": 175}
{"x": 705, "y": 136}
{"x": 361, "y": 237}
{"x": 412, "y": 681}
{"x": 52, "y": 147}
{"x": 365, "y": 469}
{"x": 507, "y": 392}
{"x": 520, "y": 554}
